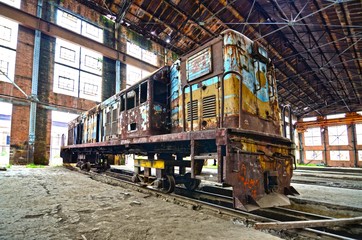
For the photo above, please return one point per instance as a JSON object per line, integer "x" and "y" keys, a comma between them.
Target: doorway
{"x": 5, "y": 127}
{"x": 59, "y": 128}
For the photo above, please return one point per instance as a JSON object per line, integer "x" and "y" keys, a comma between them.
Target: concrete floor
{"x": 56, "y": 203}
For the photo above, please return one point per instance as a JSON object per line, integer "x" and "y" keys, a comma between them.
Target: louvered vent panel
{"x": 209, "y": 106}
{"x": 195, "y": 110}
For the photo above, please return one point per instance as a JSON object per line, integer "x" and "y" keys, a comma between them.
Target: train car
{"x": 217, "y": 102}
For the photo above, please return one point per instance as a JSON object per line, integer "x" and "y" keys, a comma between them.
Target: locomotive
{"x": 216, "y": 102}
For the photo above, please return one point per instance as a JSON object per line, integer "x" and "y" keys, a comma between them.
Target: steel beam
{"x": 30, "y": 21}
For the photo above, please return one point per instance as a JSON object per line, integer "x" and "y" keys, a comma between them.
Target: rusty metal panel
{"x": 258, "y": 166}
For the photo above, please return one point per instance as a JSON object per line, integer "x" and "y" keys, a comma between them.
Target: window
{"x": 77, "y": 71}
{"x": 5, "y": 33}
{"x": 359, "y": 133}
{"x": 75, "y": 24}
{"x": 309, "y": 119}
{"x": 8, "y": 43}
{"x": 14, "y": 3}
{"x": 67, "y": 53}
{"x": 143, "y": 94}
{"x": 339, "y": 155}
{"x": 135, "y": 74}
{"x": 65, "y": 80}
{"x": 159, "y": 93}
{"x": 7, "y": 64}
{"x": 335, "y": 116}
{"x": 360, "y": 155}
{"x": 132, "y": 98}
{"x": 91, "y": 61}
{"x": 90, "y": 86}
{"x": 312, "y": 137}
{"x": 92, "y": 32}
{"x": 338, "y": 135}
{"x": 313, "y": 155}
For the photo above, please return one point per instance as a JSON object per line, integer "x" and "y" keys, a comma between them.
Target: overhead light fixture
{"x": 153, "y": 33}
{"x": 168, "y": 40}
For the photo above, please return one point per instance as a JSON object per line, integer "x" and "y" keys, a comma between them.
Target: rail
{"x": 219, "y": 202}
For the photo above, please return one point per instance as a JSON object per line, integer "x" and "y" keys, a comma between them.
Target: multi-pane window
{"x": 138, "y": 52}
{"x": 312, "y": 137}
{"x": 135, "y": 74}
{"x": 359, "y": 133}
{"x": 78, "y": 70}
{"x": 313, "y": 155}
{"x": 8, "y": 42}
{"x": 338, "y": 135}
{"x": 75, "y": 24}
{"x": 66, "y": 80}
{"x": 339, "y": 155}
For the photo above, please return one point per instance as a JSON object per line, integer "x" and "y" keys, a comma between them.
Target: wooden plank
{"x": 308, "y": 224}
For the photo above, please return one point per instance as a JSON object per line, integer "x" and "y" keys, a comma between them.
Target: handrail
{"x": 223, "y": 96}
{"x": 287, "y": 107}
{"x": 184, "y": 107}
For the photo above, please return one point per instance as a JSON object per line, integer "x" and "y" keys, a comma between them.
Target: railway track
{"x": 329, "y": 177}
{"x": 218, "y": 201}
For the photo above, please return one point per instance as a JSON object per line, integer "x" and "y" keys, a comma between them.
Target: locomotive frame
{"x": 217, "y": 102}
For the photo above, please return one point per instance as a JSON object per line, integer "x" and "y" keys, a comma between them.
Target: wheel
{"x": 169, "y": 184}
{"x": 135, "y": 178}
{"x": 191, "y": 183}
{"x": 87, "y": 166}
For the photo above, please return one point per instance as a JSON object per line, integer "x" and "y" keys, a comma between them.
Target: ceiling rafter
{"x": 315, "y": 46}
{"x": 304, "y": 46}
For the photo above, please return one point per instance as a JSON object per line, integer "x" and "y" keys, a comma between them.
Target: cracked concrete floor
{"x": 56, "y": 203}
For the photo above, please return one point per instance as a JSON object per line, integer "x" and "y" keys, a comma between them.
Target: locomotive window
{"x": 115, "y": 112}
{"x": 160, "y": 93}
{"x": 143, "y": 94}
{"x": 123, "y": 103}
{"x": 132, "y": 98}
{"x": 132, "y": 127}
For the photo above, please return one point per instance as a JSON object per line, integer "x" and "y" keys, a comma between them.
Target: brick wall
{"x": 48, "y": 100}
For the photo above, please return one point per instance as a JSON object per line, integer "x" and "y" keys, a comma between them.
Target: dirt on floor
{"x": 56, "y": 203}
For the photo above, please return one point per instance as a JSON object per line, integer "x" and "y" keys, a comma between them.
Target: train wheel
{"x": 87, "y": 166}
{"x": 191, "y": 184}
{"x": 169, "y": 184}
{"x": 135, "y": 178}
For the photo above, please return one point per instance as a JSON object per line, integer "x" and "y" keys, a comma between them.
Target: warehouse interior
{"x": 59, "y": 58}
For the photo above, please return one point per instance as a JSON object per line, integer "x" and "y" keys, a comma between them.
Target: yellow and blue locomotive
{"x": 217, "y": 102}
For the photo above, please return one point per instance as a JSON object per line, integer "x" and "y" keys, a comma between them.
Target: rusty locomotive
{"x": 217, "y": 102}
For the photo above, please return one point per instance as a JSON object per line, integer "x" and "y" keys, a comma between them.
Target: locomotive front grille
{"x": 209, "y": 106}
{"x": 195, "y": 110}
